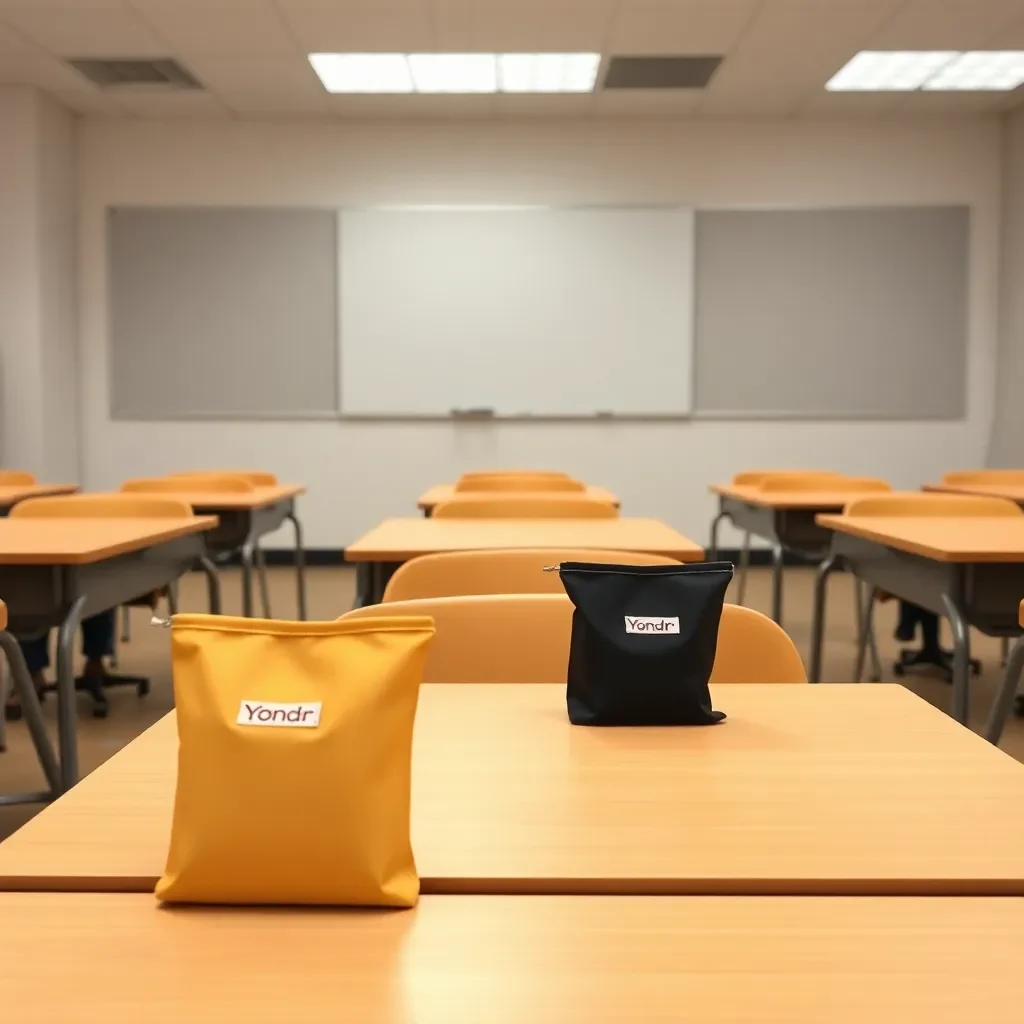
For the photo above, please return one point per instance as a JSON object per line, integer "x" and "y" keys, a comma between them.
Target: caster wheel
{"x": 143, "y": 688}
{"x": 99, "y": 710}
{"x": 898, "y": 670}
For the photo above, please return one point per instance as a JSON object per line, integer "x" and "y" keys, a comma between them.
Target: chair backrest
{"x": 15, "y": 477}
{"x": 524, "y": 638}
{"x": 541, "y": 507}
{"x": 257, "y": 477}
{"x": 511, "y": 571}
{"x": 518, "y": 482}
{"x": 823, "y": 483}
{"x": 178, "y": 485}
{"x": 474, "y": 473}
{"x": 985, "y": 476}
{"x": 101, "y": 506}
{"x": 929, "y": 504}
{"x": 753, "y": 477}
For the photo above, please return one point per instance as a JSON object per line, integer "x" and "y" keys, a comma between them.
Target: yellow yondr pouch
{"x": 295, "y": 743}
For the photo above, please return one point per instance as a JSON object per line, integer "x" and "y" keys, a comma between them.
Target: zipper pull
{"x": 552, "y": 568}
{"x": 157, "y": 621}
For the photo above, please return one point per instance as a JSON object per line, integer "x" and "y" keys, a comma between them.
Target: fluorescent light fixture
{"x": 981, "y": 71}
{"x": 363, "y": 72}
{"x": 456, "y": 72}
{"x": 547, "y": 72}
{"x": 889, "y": 71}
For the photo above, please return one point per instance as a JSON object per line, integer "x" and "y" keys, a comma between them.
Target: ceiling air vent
{"x": 108, "y": 74}
{"x": 660, "y": 72}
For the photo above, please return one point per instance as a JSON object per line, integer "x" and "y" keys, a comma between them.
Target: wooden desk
{"x": 1014, "y": 492}
{"x": 836, "y": 789}
{"x": 970, "y": 569}
{"x": 503, "y": 960}
{"x": 55, "y": 572}
{"x": 394, "y": 541}
{"x": 784, "y": 518}
{"x": 245, "y": 517}
{"x": 10, "y": 496}
{"x": 439, "y": 493}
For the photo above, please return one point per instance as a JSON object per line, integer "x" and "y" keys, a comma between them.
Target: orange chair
{"x": 178, "y": 485}
{"x": 985, "y": 476}
{"x": 511, "y": 571}
{"x": 473, "y": 474}
{"x": 257, "y": 477}
{"x": 111, "y": 506}
{"x": 525, "y": 508}
{"x": 520, "y": 482}
{"x": 524, "y": 638}
{"x": 15, "y": 478}
{"x": 803, "y": 482}
{"x": 753, "y": 477}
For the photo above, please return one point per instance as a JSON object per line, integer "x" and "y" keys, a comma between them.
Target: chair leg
{"x": 1003, "y": 703}
{"x": 126, "y": 625}
{"x": 261, "y": 568}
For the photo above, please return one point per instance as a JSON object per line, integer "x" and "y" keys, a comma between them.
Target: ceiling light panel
{"x": 363, "y": 72}
{"x": 462, "y": 73}
{"x": 890, "y": 71}
{"x": 547, "y": 72}
{"x": 980, "y": 71}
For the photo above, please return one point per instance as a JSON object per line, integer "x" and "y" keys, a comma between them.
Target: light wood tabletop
{"x": 446, "y": 492}
{"x": 833, "y": 498}
{"x": 231, "y": 501}
{"x": 19, "y": 492}
{"x": 56, "y": 541}
{"x": 398, "y": 540}
{"x": 1014, "y": 492}
{"x": 944, "y": 539}
{"x": 508, "y": 960}
{"x": 830, "y": 789}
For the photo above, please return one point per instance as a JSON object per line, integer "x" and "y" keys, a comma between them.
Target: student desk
{"x": 244, "y": 517}
{"x": 508, "y": 960}
{"x": 971, "y": 570}
{"x": 804, "y": 790}
{"x": 785, "y": 518}
{"x": 430, "y": 499}
{"x": 379, "y": 552}
{"x": 10, "y": 496}
{"x": 1014, "y": 492}
{"x": 55, "y": 572}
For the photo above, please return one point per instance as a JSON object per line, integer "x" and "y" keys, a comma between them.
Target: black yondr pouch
{"x": 643, "y": 642}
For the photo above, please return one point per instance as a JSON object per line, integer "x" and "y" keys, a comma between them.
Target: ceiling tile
{"x": 387, "y": 26}
{"x": 684, "y": 26}
{"x": 1009, "y": 38}
{"x": 412, "y": 107}
{"x": 88, "y": 102}
{"x": 41, "y": 70}
{"x": 171, "y": 104}
{"x": 255, "y": 73}
{"x": 14, "y": 42}
{"x": 252, "y": 27}
{"x": 507, "y": 27}
{"x": 923, "y": 102}
{"x": 850, "y": 103}
{"x": 275, "y": 104}
{"x": 106, "y": 32}
{"x": 647, "y": 102}
{"x": 946, "y": 25}
{"x": 526, "y": 105}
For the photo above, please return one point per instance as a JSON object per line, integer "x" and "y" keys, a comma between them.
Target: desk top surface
{"x": 828, "y": 789}
{"x": 445, "y": 492}
{"x": 823, "y": 500}
{"x": 233, "y": 501}
{"x": 942, "y": 538}
{"x": 19, "y": 492}
{"x": 75, "y": 541}
{"x": 398, "y": 540}
{"x": 1015, "y": 492}
{"x": 508, "y": 960}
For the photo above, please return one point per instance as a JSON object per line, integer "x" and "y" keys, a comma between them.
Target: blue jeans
{"x": 97, "y": 641}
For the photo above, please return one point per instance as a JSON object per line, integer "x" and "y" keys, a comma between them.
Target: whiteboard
{"x": 543, "y": 312}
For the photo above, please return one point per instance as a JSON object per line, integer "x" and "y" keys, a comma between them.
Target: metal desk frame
{"x": 55, "y": 595}
{"x": 985, "y": 595}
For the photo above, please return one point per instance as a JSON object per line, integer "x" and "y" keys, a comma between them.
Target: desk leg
{"x": 1004, "y": 701}
{"x": 818, "y": 621}
{"x": 300, "y": 564}
{"x": 247, "y": 559}
{"x": 864, "y": 596}
{"x": 777, "y": 557}
{"x": 961, "y": 659}
{"x": 741, "y": 589}
{"x": 261, "y": 569}
{"x": 31, "y": 710}
{"x": 67, "y": 710}
{"x": 212, "y": 584}
{"x": 713, "y": 539}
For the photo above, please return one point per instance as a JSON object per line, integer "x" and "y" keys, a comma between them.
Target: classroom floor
{"x": 330, "y": 593}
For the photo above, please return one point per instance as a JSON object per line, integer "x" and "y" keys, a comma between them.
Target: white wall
{"x": 1007, "y": 447}
{"x": 361, "y": 472}
{"x": 38, "y": 286}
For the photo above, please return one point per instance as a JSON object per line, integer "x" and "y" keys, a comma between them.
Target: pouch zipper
{"x": 156, "y": 620}
{"x": 684, "y": 569}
